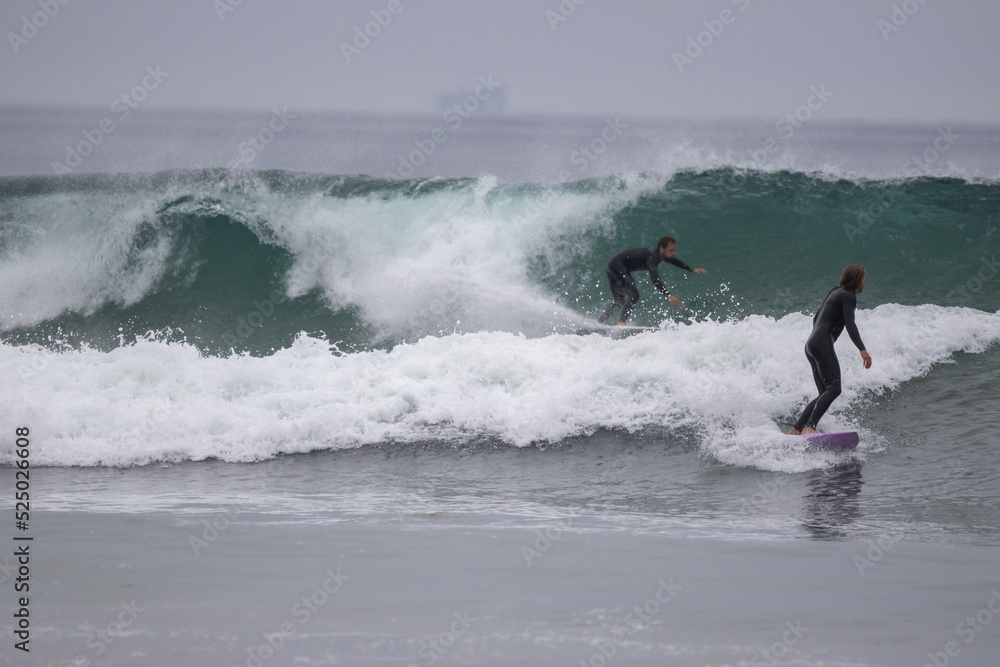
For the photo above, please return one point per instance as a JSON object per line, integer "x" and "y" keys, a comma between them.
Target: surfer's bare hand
{"x": 674, "y": 301}
{"x": 867, "y": 358}
{"x": 700, "y": 271}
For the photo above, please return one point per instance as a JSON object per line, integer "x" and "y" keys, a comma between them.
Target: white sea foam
{"x": 73, "y": 254}
{"x": 451, "y": 261}
{"x": 730, "y": 381}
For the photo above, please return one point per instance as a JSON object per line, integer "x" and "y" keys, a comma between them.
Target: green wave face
{"x": 775, "y": 243}
{"x": 244, "y": 262}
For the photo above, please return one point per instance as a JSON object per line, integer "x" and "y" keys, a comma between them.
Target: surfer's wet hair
{"x": 852, "y": 276}
{"x": 665, "y": 241}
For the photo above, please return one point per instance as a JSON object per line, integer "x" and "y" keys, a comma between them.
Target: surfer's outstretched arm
{"x": 676, "y": 261}
{"x": 681, "y": 264}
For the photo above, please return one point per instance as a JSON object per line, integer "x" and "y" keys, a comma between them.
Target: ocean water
{"x": 325, "y": 394}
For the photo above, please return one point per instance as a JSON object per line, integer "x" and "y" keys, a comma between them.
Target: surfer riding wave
{"x": 835, "y": 314}
{"x": 623, "y": 287}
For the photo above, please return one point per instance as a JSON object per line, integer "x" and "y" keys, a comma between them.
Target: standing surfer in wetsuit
{"x": 623, "y": 287}
{"x": 834, "y": 315}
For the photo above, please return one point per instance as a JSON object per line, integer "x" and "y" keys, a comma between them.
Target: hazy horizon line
{"x": 510, "y": 115}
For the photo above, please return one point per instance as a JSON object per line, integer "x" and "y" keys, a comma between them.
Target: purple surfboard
{"x": 841, "y": 440}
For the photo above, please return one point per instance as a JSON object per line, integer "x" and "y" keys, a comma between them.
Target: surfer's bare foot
{"x": 807, "y": 430}
{"x": 622, "y": 324}
{"x": 794, "y": 431}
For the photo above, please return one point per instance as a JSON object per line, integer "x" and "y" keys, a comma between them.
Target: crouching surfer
{"x": 623, "y": 287}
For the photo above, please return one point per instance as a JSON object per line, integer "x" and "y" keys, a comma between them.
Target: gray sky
{"x": 928, "y": 60}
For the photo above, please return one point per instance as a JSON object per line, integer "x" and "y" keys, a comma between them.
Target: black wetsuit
{"x": 623, "y": 287}
{"x": 834, "y": 315}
